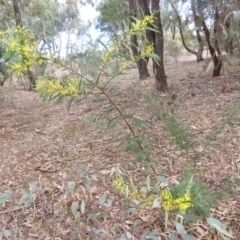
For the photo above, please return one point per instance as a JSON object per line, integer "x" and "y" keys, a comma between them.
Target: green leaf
{"x": 74, "y": 207}
{"x": 156, "y": 203}
{"x": 149, "y": 235}
{"x": 45, "y": 96}
{"x": 127, "y": 190}
{"x": 132, "y": 183}
{"x": 114, "y": 122}
{"x": 129, "y": 235}
{"x": 110, "y": 201}
{"x": 70, "y": 103}
{"x": 103, "y": 199}
{"x": 104, "y": 182}
{"x": 71, "y": 185}
{"x": 9, "y": 56}
{"x": 187, "y": 237}
{"x": 91, "y": 216}
{"x": 218, "y": 226}
{"x": 153, "y": 237}
{"x": 7, "y": 233}
{"x": 4, "y": 197}
{"x": 191, "y": 218}
{"x": 81, "y": 172}
{"x": 123, "y": 237}
{"x": 180, "y": 228}
{"x": 106, "y": 48}
{"x": 153, "y": 29}
{"x": 148, "y": 183}
{"x": 138, "y": 123}
{"x": 155, "y": 57}
{"x": 82, "y": 207}
{"x": 161, "y": 179}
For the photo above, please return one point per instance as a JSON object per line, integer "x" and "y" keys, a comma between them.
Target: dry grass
{"x": 41, "y": 141}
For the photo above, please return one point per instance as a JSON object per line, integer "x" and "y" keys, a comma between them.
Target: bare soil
{"x": 40, "y": 141}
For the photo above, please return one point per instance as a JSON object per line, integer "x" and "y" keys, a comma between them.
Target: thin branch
{"x": 113, "y": 104}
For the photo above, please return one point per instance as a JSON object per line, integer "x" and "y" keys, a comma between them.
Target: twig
{"x": 13, "y": 210}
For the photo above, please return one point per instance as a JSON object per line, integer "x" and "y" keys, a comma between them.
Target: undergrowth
{"x": 176, "y": 206}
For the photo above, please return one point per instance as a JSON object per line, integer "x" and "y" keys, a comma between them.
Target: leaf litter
{"x": 42, "y": 142}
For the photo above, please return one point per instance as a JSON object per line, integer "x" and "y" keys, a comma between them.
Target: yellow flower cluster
{"x": 140, "y": 25}
{"x": 167, "y": 202}
{"x": 24, "y": 48}
{"x": 122, "y": 68}
{"x": 180, "y": 204}
{"x": 149, "y": 50}
{"x": 70, "y": 88}
{"x": 109, "y": 54}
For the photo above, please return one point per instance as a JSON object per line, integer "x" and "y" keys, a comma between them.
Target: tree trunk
{"x": 198, "y": 54}
{"x": 19, "y": 22}
{"x": 141, "y": 64}
{"x": 160, "y": 76}
{"x": 231, "y": 46}
{"x": 199, "y": 38}
{"x": 216, "y": 61}
{"x": 17, "y": 13}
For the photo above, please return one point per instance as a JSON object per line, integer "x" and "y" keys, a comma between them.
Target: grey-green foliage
{"x": 141, "y": 146}
{"x": 202, "y": 202}
{"x": 180, "y": 136}
{"x": 112, "y": 15}
{"x": 87, "y": 60}
{"x": 173, "y": 48}
{"x": 49, "y": 22}
{"x": 3, "y": 67}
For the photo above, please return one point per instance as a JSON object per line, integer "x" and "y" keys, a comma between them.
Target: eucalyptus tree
{"x": 182, "y": 25}
{"x": 49, "y": 23}
{"x": 160, "y": 76}
{"x": 113, "y": 15}
{"x": 150, "y": 7}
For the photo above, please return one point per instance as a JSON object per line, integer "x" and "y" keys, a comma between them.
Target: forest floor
{"x": 43, "y": 142}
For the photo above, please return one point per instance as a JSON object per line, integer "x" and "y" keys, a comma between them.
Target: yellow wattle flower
{"x": 180, "y": 204}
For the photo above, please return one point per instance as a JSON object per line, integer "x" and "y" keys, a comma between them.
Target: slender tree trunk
{"x": 141, "y": 64}
{"x": 17, "y": 13}
{"x": 19, "y": 22}
{"x": 216, "y": 61}
{"x": 45, "y": 37}
{"x": 198, "y": 54}
{"x": 199, "y": 38}
{"x": 231, "y": 46}
{"x": 217, "y": 34}
{"x": 160, "y": 76}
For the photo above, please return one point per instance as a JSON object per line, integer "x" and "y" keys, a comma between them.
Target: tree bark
{"x": 17, "y": 13}
{"x": 199, "y": 38}
{"x": 19, "y": 22}
{"x": 216, "y": 61}
{"x": 142, "y": 63}
{"x": 160, "y": 76}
